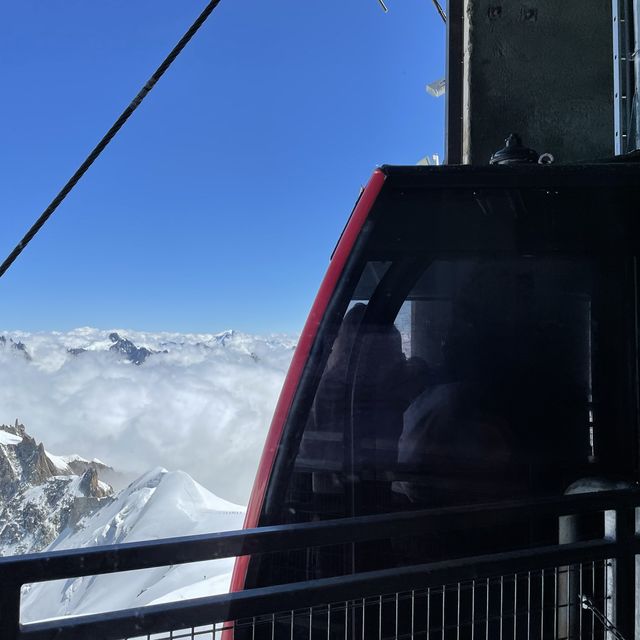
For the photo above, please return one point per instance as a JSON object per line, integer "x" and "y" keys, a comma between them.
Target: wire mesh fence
{"x": 559, "y": 603}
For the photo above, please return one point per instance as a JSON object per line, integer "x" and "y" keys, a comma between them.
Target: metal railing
{"x": 311, "y": 608}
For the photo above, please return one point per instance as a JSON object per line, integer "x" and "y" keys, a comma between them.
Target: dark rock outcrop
{"x": 17, "y": 345}
{"x": 36, "y": 466}
{"x": 90, "y": 485}
{"x": 136, "y": 355}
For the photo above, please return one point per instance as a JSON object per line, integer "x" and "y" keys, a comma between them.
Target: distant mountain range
{"x": 141, "y": 399}
{"x": 128, "y": 348}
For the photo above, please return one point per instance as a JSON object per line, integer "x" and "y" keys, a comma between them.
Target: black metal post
{"x": 624, "y": 573}
{"x": 10, "y": 611}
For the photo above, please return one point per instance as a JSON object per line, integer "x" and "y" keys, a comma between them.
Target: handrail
{"x": 57, "y": 565}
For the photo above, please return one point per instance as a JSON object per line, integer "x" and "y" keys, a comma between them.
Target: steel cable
{"x": 436, "y": 4}
{"x": 587, "y": 603}
{"x": 117, "y": 125}
{"x": 440, "y": 10}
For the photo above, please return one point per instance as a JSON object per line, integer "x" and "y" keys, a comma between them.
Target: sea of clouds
{"x": 203, "y": 406}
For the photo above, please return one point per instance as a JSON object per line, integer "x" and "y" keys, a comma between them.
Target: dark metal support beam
{"x": 453, "y": 95}
{"x": 624, "y": 566}
{"x": 542, "y": 69}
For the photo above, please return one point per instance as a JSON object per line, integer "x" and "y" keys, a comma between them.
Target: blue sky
{"x": 220, "y": 201}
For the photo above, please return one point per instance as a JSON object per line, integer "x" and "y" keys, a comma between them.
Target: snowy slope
{"x": 191, "y": 397}
{"x": 159, "y": 504}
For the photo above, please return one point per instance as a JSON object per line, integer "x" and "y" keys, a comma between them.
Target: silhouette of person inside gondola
{"x": 356, "y": 421}
{"x": 459, "y": 444}
{"x": 456, "y": 435}
{"x": 508, "y": 416}
{"x": 367, "y": 384}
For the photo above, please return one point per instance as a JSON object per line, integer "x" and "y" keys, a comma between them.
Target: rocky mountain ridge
{"x": 123, "y": 347}
{"x": 41, "y": 495}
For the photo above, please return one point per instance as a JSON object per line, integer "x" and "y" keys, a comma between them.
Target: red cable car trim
{"x": 336, "y": 266}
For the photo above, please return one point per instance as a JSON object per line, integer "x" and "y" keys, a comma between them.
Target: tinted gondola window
{"x": 462, "y": 380}
{"x": 495, "y": 400}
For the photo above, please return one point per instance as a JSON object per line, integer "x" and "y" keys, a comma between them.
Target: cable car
{"x": 475, "y": 339}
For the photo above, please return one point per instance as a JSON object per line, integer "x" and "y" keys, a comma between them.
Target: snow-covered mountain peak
{"x": 159, "y": 504}
{"x": 149, "y": 480}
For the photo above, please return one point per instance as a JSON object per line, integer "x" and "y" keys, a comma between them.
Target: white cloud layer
{"x": 203, "y": 407}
